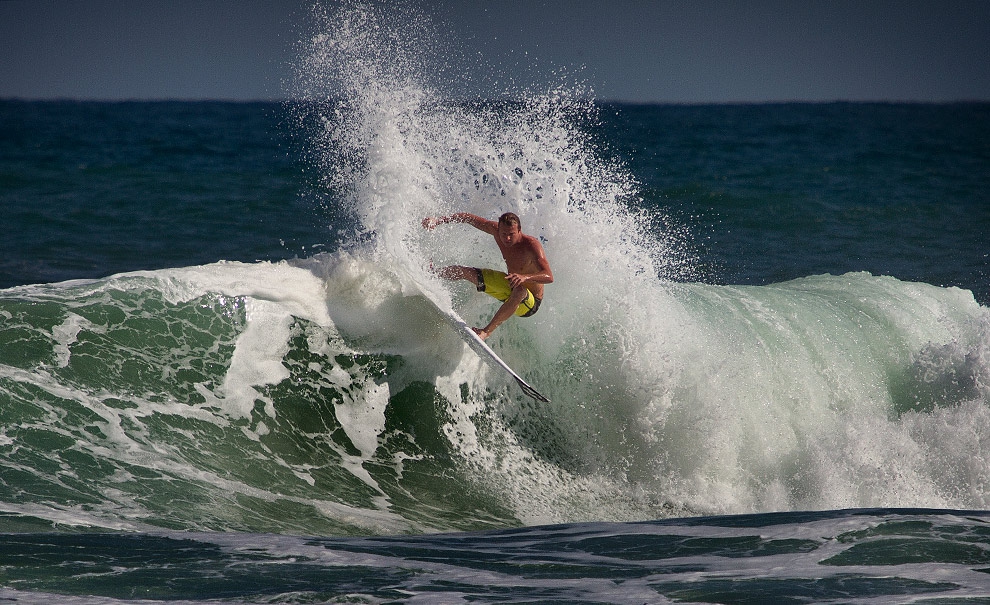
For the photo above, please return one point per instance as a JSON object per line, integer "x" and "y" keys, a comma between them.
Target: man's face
{"x": 508, "y": 234}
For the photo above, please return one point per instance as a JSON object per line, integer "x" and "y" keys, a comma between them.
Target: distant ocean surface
{"x": 767, "y": 349}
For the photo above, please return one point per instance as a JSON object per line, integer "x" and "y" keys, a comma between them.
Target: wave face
{"x": 326, "y": 395}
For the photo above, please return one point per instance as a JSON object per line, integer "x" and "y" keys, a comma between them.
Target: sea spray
{"x": 394, "y": 147}
{"x": 397, "y": 149}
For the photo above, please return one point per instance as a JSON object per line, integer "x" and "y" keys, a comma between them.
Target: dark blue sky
{"x": 642, "y": 51}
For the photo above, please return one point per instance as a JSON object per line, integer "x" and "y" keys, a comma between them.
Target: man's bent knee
{"x": 519, "y": 294}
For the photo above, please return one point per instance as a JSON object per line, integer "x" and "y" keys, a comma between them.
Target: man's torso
{"x": 521, "y": 258}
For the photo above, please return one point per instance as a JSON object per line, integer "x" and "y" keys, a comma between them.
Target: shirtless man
{"x": 521, "y": 289}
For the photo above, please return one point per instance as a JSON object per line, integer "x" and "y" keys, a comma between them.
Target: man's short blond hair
{"x": 510, "y": 218}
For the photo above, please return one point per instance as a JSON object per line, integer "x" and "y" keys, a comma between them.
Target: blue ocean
{"x": 225, "y": 374}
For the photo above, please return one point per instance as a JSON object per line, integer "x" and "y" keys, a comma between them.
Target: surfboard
{"x": 484, "y": 351}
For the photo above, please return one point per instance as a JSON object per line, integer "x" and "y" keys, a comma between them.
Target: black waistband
{"x": 536, "y": 307}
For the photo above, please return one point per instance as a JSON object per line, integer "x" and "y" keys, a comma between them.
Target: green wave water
{"x": 321, "y": 397}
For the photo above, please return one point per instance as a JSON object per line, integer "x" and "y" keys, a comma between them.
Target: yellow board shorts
{"x": 495, "y": 284}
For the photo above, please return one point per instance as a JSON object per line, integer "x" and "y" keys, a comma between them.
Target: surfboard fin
{"x": 531, "y": 391}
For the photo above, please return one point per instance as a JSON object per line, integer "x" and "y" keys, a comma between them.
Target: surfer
{"x": 521, "y": 289}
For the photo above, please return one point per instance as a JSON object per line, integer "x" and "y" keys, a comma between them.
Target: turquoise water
{"x": 224, "y": 376}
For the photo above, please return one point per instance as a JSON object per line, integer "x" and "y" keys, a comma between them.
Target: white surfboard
{"x": 485, "y": 352}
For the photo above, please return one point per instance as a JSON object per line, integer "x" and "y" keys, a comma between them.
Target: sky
{"x": 676, "y": 51}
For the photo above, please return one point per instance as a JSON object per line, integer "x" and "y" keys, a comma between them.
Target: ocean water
{"x": 224, "y": 376}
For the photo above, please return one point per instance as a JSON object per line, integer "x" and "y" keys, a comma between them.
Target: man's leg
{"x": 455, "y": 272}
{"x": 507, "y": 310}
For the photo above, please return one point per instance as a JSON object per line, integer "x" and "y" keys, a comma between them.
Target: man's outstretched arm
{"x": 474, "y": 220}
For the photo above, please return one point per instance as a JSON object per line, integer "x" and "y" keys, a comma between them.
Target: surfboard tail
{"x": 481, "y": 348}
{"x": 528, "y": 390}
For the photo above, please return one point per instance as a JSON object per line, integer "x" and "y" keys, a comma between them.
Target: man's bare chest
{"x": 517, "y": 260}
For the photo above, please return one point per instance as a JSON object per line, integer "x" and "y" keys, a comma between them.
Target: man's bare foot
{"x": 481, "y": 333}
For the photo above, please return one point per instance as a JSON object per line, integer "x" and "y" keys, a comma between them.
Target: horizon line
{"x": 602, "y": 101}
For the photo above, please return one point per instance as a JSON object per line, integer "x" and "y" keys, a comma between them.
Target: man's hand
{"x": 431, "y": 221}
{"x": 515, "y": 280}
